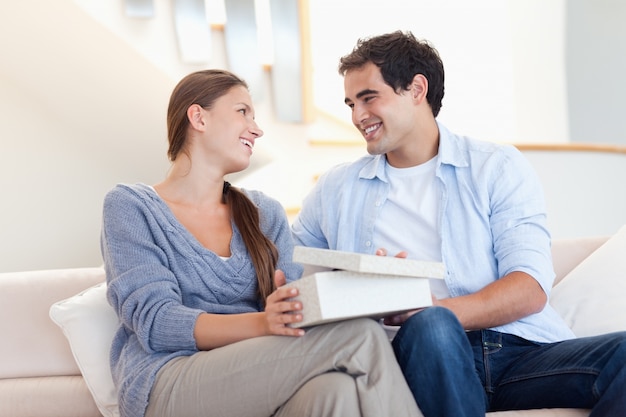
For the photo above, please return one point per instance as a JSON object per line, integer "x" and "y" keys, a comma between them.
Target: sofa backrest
{"x": 567, "y": 253}
{"x": 32, "y": 344}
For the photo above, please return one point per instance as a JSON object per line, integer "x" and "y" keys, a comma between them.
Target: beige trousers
{"x": 341, "y": 369}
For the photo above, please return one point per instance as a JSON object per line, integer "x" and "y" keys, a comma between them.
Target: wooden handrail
{"x": 568, "y": 147}
{"x": 292, "y": 211}
{"x": 336, "y": 142}
{"x": 571, "y": 147}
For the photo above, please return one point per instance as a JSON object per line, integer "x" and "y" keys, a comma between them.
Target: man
{"x": 491, "y": 341}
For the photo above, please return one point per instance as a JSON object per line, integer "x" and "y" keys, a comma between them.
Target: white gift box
{"x": 361, "y": 285}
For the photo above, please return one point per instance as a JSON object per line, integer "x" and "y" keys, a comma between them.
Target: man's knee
{"x": 430, "y": 327}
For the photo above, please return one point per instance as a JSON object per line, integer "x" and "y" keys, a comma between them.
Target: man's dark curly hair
{"x": 400, "y": 56}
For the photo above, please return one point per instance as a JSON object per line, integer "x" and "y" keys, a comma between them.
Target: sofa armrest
{"x": 32, "y": 345}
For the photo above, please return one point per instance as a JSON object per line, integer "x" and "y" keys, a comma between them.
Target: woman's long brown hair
{"x": 204, "y": 88}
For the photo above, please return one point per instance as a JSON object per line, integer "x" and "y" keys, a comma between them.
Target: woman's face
{"x": 231, "y": 129}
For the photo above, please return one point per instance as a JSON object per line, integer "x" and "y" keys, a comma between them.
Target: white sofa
{"x": 42, "y": 376}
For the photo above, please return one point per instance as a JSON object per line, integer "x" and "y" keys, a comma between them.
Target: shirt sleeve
{"x": 306, "y": 227}
{"x": 518, "y": 220}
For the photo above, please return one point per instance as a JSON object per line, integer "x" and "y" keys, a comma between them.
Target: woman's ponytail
{"x": 262, "y": 251}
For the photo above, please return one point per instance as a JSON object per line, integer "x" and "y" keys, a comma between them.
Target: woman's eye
{"x": 242, "y": 111}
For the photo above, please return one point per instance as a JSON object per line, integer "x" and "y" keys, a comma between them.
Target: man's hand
{"x": 398, "y": 319}
{"x": 383, "y": 252}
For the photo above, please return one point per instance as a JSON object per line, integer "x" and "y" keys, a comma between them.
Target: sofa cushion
{"x": 89, "y": 323}
{"x": 39, "y": 348}
{"x": 543, "y": 412}
{"x": 591, "y": 297}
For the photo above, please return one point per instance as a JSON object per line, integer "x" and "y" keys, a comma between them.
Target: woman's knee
{"x": 329, "y": 394}
{"x": 361, "y": 328}
{"x": 361, "y": 324}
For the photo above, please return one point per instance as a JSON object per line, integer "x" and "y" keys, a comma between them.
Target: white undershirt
{"x": 409, "y": 218}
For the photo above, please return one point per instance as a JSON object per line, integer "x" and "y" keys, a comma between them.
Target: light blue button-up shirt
{"x": 492, "y": 220}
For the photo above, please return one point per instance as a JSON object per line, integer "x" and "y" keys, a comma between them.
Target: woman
{"x": 195, "y": 271}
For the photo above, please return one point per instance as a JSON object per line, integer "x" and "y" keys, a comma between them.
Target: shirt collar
{"x": 375, "y": 167}
{"x": 451, "y": 150}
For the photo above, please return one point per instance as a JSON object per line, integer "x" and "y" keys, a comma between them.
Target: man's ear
{"x": 419, "y": 88}
{"x": 195, "y": 114}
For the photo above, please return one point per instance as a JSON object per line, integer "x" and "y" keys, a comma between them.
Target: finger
{"x": 281, "y": 294}
{"x": 279, "y": 278}
{"x": 289, "y": 318}
{"x": 381, "y": 252}
{"x": 280, "y": 324}
{"x": 288, "y": 331}
{"x": 402, "y": 254}
{"x": 278, "y": 308}
{"x": 287, "y": 307}
{"x": 392, "y": 320}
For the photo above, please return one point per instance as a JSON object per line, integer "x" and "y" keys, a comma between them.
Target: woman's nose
{"x": 256, "y": 130}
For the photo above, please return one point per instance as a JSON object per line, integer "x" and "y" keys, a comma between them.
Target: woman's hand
{"x": 281, "y": 309}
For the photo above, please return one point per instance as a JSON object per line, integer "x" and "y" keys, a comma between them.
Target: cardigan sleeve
{"x": 141, "y": 288}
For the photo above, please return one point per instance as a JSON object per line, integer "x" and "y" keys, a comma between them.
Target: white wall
{"x": 499, "y": 58}
{"x": 582, "y": 198}
{"x": 596, "y": 63}
{"x": 79, "y": 111}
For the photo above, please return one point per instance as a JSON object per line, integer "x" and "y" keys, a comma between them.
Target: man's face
{"x": 385, "y": 119}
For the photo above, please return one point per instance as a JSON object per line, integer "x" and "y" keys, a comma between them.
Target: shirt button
{"x": 377, "y": 204}
{"x": 368, "y": 243}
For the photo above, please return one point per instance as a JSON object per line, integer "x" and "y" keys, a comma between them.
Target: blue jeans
{"x": 456, "y": 373}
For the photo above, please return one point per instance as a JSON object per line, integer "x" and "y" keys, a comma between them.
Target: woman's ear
{"x": 419, "y": 88}
{"x": 195, "y": 114}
